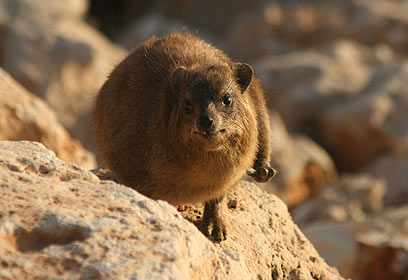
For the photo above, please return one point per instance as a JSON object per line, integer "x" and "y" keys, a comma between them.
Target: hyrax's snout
{"x": 207, "y": 120}
{"x": 205, "y": 123}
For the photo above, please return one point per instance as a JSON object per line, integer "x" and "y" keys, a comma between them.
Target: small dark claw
{"x": 272, "y": 172}
{"x": 219, "y": 233}
{"x": 263, "y": 172}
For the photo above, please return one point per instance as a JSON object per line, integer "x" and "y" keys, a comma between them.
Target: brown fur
{"x": 153, "y": 113}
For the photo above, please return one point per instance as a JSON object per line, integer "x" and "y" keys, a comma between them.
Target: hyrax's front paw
{"x": 215, "y": 223}
{"x": 218, "y": 231}
{"x": 262, "y": 174}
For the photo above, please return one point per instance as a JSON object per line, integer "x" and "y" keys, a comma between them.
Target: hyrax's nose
{"x": 205, "y": 122}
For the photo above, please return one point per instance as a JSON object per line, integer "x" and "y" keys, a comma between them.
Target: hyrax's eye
{"x": 188, "y": 106}
{"x": 227, "y": 100}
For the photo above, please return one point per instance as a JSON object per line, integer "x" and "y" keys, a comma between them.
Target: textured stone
{"x": 59, "y": 58}
{"x": 24, "y": 116}
{"x": 60, "y": 221}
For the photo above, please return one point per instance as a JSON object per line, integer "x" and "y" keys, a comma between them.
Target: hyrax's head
{"x": 212, "y": 104}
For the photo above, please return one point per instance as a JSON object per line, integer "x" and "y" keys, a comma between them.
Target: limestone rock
{"x": 373, "y": 123}
{"x": 113, "y": 16}
{"x": 249, "y": 36}
{"x": 299, "y": 24}
{"x": 336, "y": 241}
{"x": 394, "y": 169}
{"x": 153, "y": 24}
{"x": 60, "y": 221}
{"x": 381, "y": 256}
{"x": 375, "y": 248}
{"x": 49, "y": 9}
{"x": 352, "y": 197}
{"x": 59, "y": 58}
{"x": 257, "y": 28}
{"x": 300, "y": 81}
{"x": 24, "y": 116}
{"x": 303, "y": 166}
{"x": 349, "y": 97}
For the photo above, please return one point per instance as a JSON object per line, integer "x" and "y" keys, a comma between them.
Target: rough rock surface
{"x": 303, "y": 166}
{"x": 60, "y": 221}
{"x": 24, "y": 116}
{"x": 51, "y": 51}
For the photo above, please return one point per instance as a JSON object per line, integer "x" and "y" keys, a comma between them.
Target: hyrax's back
{"x": 178, "y": 120}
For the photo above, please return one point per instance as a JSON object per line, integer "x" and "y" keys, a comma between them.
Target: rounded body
{"x": 178, "y": 120}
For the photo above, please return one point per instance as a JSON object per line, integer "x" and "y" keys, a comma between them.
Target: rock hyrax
{"x": 178, "y": 120}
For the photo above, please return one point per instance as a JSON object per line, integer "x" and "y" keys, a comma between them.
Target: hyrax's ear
{"x": 243, "y": 74}
{"x": 177, "y": 78}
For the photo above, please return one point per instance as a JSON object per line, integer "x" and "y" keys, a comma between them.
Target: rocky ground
{"x": 335, "y": 74}
{"x": 60, "y": 220}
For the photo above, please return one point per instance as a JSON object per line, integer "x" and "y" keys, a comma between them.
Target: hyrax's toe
{"x": 214, "y": 220}
{"x": 216, "y": 229}
{"x": 262, "y": 174}
{"x": 219, "y": 232}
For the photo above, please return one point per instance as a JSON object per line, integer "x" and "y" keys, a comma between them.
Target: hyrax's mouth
{"x": 209, "y": 134}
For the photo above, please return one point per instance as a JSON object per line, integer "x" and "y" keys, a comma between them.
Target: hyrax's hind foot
{"x": 213, "y": 216}
{"x": 262, "y": 174}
